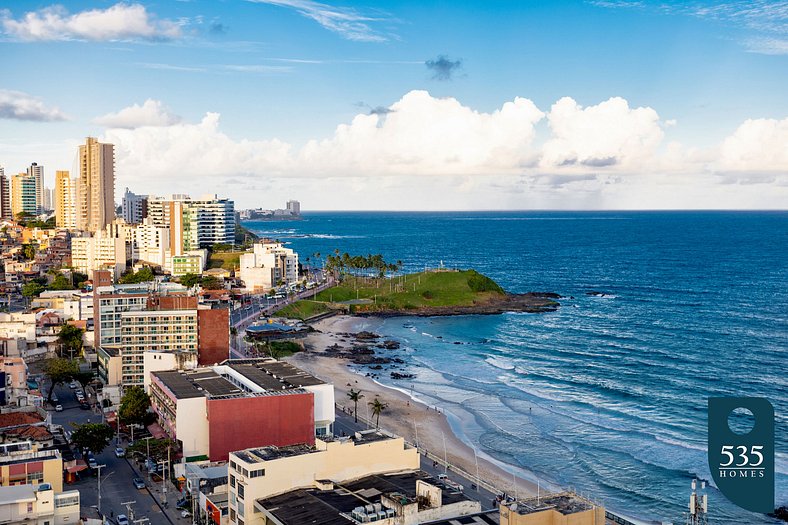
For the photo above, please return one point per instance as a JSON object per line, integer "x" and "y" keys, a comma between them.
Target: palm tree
{"x": 377, "y": 408}
{"x": 355, "y": 396}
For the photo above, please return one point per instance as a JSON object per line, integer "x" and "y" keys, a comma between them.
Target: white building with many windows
{"x": 268, "y": 265}
{"x": 100, "y": 252}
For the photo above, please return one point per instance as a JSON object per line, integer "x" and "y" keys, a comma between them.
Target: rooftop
{"x": 233, "y": 378}
{"x": 563, "y": 502}
{"x": 257, "y": 455}
{"x": 490, "y": 517}
{"x": 15, "y": 419}
{"x": 329, "y": 507}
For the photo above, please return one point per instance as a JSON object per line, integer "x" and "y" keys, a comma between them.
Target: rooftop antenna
{"x": 698, "y": 505}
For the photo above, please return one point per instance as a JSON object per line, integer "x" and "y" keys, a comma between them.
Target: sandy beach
{"x": 403, "y": 416}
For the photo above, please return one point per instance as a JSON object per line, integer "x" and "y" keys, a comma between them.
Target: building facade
{"x": 99, "y": 252}
{"x": 241, "y": 403}
{"x": 37, "y": 172}
{"x": 24, "y": 194}
{"x": 194, "y": 223}
{"x": 268, "y": 265}
{"x": 134, "y": 207}
{"x": 5, "y": 196}
{"x": 96, "y": 186}
{"x": 65, "y": 201}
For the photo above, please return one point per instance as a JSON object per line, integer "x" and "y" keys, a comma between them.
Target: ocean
{"x": 608, "y": 394}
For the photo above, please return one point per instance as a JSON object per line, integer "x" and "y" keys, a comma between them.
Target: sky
{"x": 408, "y": 105}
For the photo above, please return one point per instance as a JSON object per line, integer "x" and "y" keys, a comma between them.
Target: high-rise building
{"x": 194, "y": 224}
{"x": 134, "y": 207}
{"x": 23, "y": 194}
{"x": 99, "y": 252}
{"x": 96, "y": 185}
{"x": 49, "y": 199}
{"x": 38, "y": 172}
{"x": 5, "y": 197}
{"x": 294, "y": 207}
{"x": 65, "y": 201}
{"x": 268, "y": 265}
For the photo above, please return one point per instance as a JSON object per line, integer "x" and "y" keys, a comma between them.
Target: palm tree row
{"x": 356, "y": 263}
{"x": 377, "y": 406}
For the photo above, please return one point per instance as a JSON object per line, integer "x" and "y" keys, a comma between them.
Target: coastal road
{"x": 345, "y": 423}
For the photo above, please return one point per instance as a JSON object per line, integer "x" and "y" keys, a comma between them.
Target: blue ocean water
{"x": 609, "y": 393}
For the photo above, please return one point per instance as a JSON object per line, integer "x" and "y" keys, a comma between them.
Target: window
{"x": 241, "y": 491}
{"x": 232, "y": 481}
{"x": 257, "y": 473}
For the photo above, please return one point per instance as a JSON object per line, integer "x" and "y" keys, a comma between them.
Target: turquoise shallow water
{"x": 608, "y": 394}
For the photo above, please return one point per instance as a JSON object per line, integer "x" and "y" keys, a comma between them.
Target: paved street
{"x": 116, "y": 484}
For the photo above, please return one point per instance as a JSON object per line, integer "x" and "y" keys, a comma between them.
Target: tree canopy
{"x": 158, "y": 448}
{"x": 93, "y": 437}
{"x": 59, "y": 370}
{"x": 134, "y": 405}
{"x": 70, "y": 337}
{"x": 61, "y": 282}
{"x": 189, "y": 279}
{"x": 144, "y": 275}
{"x": 32, "y": 289}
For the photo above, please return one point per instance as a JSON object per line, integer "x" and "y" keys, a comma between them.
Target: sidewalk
{"x": 170, "y": 514}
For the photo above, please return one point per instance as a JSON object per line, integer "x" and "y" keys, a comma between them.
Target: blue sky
{"x": 291, "y": 71}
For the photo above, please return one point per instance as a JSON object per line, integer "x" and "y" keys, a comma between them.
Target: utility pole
{"x": 99, "y": 467}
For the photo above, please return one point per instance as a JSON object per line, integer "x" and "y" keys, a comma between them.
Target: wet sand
{"x": 404, "y": 416}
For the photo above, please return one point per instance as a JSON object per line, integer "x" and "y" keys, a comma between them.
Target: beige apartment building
{"x": 96, "y": 186}
{"x": 65, "y": 201}
{"x": 99, "y": 252}
{"x": 565, "y": 508}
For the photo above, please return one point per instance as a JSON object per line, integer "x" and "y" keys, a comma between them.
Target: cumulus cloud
{"x": 118, "y": 22}
{"x": 22, "y": 106}
{"x": 346, "y": 22}
{"x": 757, "y": 145}
{"x": 606, "y": 155}
{"x": 150, "y": 113}
{"x": 607, "y": 134}
{"x": 192, "y": 150}
{"x": 443, "y": 68}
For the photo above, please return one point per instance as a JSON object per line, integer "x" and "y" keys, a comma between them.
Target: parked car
{"x": 84, "y": 406}
{"x": 72, "y": 385}
{"x": 122, "y": 519}
{"x": 58, "y": 408}
{"x": 92, "y": 463}
{"x": 139, "y": 483}
{"x": 120, "y": 453}
{"x": 185, "y": 513}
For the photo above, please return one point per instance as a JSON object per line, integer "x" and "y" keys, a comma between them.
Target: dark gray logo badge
{"x": 741, "y": 458}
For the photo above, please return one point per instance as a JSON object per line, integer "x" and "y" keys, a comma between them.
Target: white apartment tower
{"x": 37, "y": 172}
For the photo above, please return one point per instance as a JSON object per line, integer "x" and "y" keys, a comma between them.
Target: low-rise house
{"x": 38, "y": 503}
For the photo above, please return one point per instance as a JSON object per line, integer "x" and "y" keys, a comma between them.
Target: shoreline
{"x": 405, "y": 416}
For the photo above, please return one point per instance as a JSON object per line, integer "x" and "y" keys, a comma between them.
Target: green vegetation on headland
{"x": 303, "y": 309}
{"x": 424, "y": 293}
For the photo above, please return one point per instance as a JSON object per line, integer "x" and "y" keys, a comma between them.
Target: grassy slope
{"x": 303, "y": 309}
{"x": 226, "y": 260}
{"x": 409, "y": 292}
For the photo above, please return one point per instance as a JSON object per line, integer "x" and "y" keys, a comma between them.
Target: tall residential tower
{"x": 96, "y": 186}
{"x": 65, "y": 201}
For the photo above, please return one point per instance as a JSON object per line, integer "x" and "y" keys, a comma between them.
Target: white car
{"x": 72, "y": 385}
{"x": 122, "y": 519}
{"x": 58, "y": 408}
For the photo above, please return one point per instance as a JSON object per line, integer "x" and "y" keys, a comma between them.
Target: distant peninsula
{"x": 430, "y": 293}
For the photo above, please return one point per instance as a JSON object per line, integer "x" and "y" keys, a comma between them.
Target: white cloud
{"x": 756, "y": 145}
{"x": 150, "y": 113}
{"x": 22, "y": 106}
{"x": 118, "y": 22}
{"x": 346, "y": 22}
{"x": 608, "y": 134}
{"x": 163, "y": 158}
{"x": 604, "y": 156}
{"x": 428, "y": 135}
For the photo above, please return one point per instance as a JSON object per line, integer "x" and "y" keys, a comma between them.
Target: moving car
{"x": 122, "y": 519}
{"x": 120, "y": 453}
{"x": 139, "y": 483}
{"x": 58, "y": 408}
